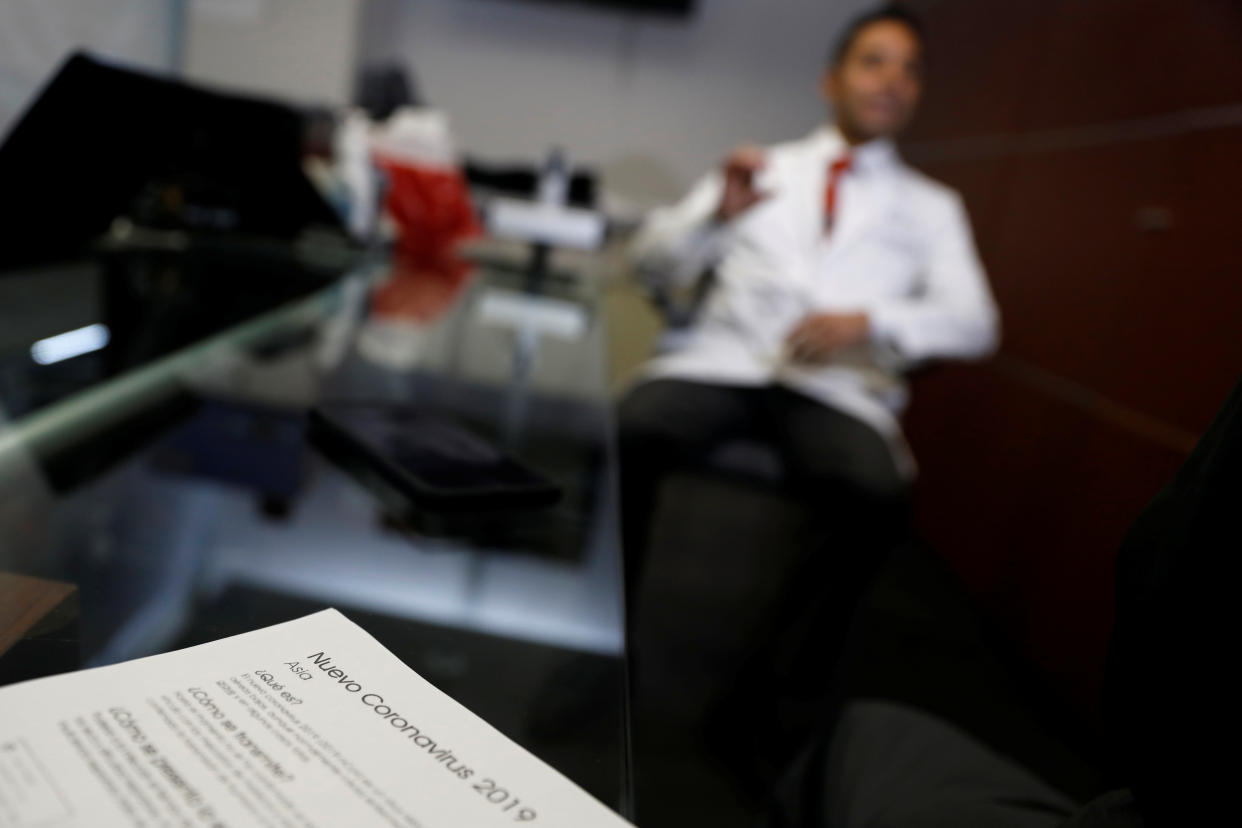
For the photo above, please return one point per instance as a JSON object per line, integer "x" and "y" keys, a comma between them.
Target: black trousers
{"x": 840, "y": 467}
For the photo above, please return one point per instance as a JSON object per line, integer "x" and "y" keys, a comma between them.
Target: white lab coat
{"x": 901, "y": 251}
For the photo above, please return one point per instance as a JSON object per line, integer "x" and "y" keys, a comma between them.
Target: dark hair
{"x": 892, "y": 13}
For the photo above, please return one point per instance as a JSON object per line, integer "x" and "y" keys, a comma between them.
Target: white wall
{"x": 298, "y": 50}
{"x": 36, "y": 35}
{"x": 653, "y": 100}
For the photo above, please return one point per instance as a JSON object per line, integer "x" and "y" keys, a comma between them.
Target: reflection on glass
{"x": 70, "y": 344}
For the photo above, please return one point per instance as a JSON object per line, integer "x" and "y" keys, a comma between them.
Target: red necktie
{"x": 839, "y": 168}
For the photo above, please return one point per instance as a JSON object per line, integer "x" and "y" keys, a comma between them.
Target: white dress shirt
{"x": 900, "y": 251}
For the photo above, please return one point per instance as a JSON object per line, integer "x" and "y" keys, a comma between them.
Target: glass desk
{"x": 177, "y": 500}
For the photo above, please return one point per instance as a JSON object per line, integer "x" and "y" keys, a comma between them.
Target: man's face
{"x": 875, "y": 88}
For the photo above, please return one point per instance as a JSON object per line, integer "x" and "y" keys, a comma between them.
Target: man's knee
{"x": 864, "y": 468}
{"x": 877, "y": 477}
{"x": 658, "y": 416}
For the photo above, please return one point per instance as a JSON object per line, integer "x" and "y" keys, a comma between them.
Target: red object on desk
{"x": 432, "y": 209}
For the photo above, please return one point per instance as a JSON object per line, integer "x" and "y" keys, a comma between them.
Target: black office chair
{"x": 383, "y": 88}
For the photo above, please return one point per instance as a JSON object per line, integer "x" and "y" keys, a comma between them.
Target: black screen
{"x": 102, "y": 141}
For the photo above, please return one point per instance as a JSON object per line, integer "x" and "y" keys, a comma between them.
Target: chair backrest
{"x": 680, "y": 309}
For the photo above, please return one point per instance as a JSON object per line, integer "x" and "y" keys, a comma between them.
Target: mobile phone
{"x": 433, "y": 462}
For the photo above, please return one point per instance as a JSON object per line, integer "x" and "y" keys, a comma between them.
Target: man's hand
{"x": 740, "y": 192}
{"x": 819, "y": 336}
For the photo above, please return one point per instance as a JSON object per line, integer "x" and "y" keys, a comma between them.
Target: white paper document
{"x": 308, "y": 723}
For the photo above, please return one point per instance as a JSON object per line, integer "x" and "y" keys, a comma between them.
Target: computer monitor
{"x": 102, "y": 140}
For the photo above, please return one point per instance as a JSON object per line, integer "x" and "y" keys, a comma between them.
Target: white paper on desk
{"x": 229, "y": 734}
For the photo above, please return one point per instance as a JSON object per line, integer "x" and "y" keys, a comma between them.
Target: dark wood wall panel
{"x": 1065, "y": 243}
{"x": 1091, "y": 268}
{"x": 998, "y": 72}
{"x": 983, "y": 186}
{"x": 1093, "y": 143}
{"x": 1118, "y": 60}
{"x": 1066, "y": 571}
{"x": 1028, "y": 495}
{"x": 1213, "y": 66}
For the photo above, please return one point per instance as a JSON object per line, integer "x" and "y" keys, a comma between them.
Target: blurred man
{"x": 837, "y": 267}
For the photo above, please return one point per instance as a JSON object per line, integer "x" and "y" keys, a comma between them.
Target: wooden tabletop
{"x": 24, "y": 602}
